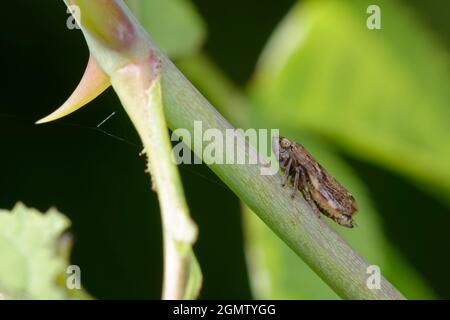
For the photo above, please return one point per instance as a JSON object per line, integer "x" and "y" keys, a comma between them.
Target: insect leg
{"x": 307, "y": 193}
{"x": 296, "y": 181}
{"x": 286, "y": 172}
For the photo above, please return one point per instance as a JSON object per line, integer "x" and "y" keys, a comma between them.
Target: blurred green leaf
{"x": 33, "y": 258}
{"x": 276, "y": 271}
{"x": 381, "y": 94}
{"x": 174, "y": 24}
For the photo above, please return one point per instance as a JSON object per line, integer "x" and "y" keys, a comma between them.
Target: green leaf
{"x": 33, "y": 258}
{"x": 174, "y": 24}
{"x": 277, "y": 273}
{"x": 380, "y": 94}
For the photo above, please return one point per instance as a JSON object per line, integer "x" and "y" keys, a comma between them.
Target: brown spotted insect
{"x": 319, "y": 188}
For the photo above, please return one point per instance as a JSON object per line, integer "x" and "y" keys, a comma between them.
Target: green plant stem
{"x": 226, "y": 97}
{"x": 138, "y": 86}
{"x": 321, "y": 247}
{"x": 121, "y": 52}
{"x": 229, "y": 99}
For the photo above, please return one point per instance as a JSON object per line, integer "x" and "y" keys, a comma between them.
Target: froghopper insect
{"x": 321, "y": 190}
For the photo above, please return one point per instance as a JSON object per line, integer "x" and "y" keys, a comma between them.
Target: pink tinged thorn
{"x": 92, "y": 84}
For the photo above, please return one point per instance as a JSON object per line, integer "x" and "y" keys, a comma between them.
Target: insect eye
{"x": 284, "y": 143}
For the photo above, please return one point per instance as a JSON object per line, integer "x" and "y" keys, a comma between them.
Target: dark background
{"x": 99, "y": 182}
